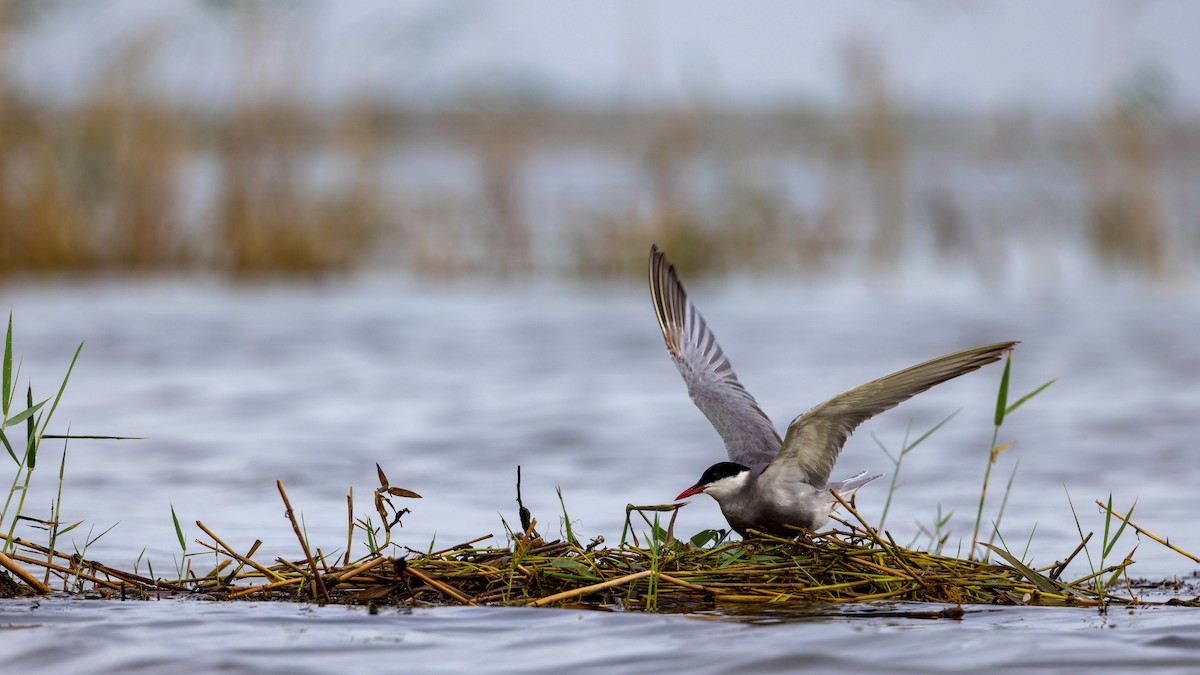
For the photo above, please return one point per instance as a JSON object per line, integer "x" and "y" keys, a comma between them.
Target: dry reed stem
{"x": 349, "y": 524}
{"x": 575, "y": 593}
{"x": 245, "y": 560}
{"x": 1142, "y": 530}
{"x": 443, "y": 587}
{"x": 361, "y": 569}
{"x": 66, "y": 571}
{"x": 265, "y": 587}
{"x": 12, "y": 566}
{"x": 1058, "y": 568}
{"x": 319, "y": 586}
{"x": 685, "y": 584}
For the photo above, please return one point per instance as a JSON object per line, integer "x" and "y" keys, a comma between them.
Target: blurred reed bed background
{"x": 509, "y": 184}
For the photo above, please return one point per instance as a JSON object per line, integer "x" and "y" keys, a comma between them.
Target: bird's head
{"x": 719, "y": 481}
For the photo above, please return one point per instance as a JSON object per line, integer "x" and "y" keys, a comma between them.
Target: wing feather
{"x": 749, "y": 436}
{"x": 815, "y": 438}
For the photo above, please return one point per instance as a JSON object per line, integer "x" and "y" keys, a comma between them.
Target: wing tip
{"x": 667, "y": 296}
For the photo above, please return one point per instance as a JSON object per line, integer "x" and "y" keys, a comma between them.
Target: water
{"x": 450, "y": 387}
{"x": 104, "y": 637}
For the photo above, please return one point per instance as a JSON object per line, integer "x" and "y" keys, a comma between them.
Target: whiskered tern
{"x": 771, "y": 484}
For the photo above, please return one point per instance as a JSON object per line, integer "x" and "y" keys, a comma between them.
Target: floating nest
{"x": 851, "y": 563}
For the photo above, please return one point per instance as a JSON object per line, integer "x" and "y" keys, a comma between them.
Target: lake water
{"x": 450, "y": 387}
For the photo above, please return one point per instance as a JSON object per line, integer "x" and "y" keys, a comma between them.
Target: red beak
{"x": 694, "y": 490}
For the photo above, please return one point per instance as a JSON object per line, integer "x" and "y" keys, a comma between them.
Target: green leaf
{"x": 8, "y": 446}
{"x": 69, "y": 528}
{"x": 1028, "y": 396}
{"x": 1124, "y": 521}
{"x": 8, "y": 365}
{"x": 94, "y": 438}
{"x": 31, "y": 453}
{"x": 908, "y": 448}
{"x": 178, "y": 530}
{"x": 63, "y": 386}
{"x": 20, "y": 417}
{"x": 1108, "y": 516}
{"x": 1044, "y": 584}
{"x": 95, "y": 539}
{"x": 1002, "y": 397}
{"x": 705, "y": 537}
{"x": 31, "y": 443}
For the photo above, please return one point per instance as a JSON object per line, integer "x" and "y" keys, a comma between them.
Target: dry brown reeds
{"x": 265, "y": 182}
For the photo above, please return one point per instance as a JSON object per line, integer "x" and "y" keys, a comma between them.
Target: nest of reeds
{"x": 851, "y": 563}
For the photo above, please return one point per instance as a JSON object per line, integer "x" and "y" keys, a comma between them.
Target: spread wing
{"x": 749, "y": 436}
{"x": 815, "y": 438}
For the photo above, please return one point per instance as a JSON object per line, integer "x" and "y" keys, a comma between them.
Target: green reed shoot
{"x": 1107, "y": 544}
{"x": 138, "y": 562}
{"x": 56, "y": 510}
{"x": 1004, "y": 501}
{"x": 938, "y": 534}
{"x": 1079, "y": 528}
{"x": 80, "y": 555}
{"x": 37, "y": 421}
{"x": 654, "y": 543}
{"x": 370, "y": 530}
{"x": 627, "y": 529}
{"x": 7, "y": 393}
{"x": 181, "y": 562}
{"x": 1003, "y": 410}
{"x": 896, "y": 460}
{"x": 566, "y": 519}
{"x": 710, "y": 536}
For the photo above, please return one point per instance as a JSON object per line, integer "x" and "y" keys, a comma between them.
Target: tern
{"x": 770, "y": 484}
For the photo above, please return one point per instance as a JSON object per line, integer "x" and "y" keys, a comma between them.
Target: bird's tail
{"x": 852, "y": 483}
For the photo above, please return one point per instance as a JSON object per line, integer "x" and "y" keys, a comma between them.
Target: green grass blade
{"x": 566, "y": 518}
{"x": 63, "y": 386}
{"x": 7, "y": 394}
{"x": 1029, "y": 541}
{"x": 95, "y": 539}
{"x": 934, "y": 428}
{"x": 178, "y": 530}
{"x": 69, "y": 528}
{"x": 34, "y": 440}
{"x": 896, "y": 461}
{"x": 8, "y": 446}
{"x": 1079, "y": 528}
{"x": 1117, "y": 537}
{"x": 24, "y": 414}
{"x": 1107, "y": 521}
{"x": 1002, "y": 397}
{"x": 1028, "y": 396}
{"x": 94, "y": 438}
{"x": 1042, "y": 583}
{"x": 31, "y": 443}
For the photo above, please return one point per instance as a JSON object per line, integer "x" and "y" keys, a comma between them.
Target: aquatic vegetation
{"x": 852, "y": 562}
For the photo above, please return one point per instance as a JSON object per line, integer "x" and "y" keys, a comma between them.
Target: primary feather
{"x": 749, "y": 436}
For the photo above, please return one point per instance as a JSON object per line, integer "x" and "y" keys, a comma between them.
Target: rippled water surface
{"x": 102, "y": 637}
{"x": 451, "y": 387}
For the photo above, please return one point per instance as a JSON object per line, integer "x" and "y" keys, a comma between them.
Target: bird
{"x": 770, "y": 484}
